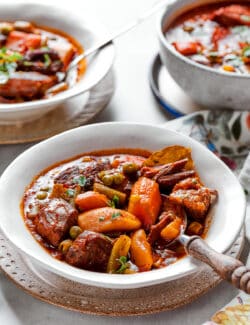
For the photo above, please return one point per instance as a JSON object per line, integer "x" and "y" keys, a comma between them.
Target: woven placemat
{"x": 70, "y": 114}
{"x": 70, "y": 295}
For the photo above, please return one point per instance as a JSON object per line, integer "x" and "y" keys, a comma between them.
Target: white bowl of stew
{"x": 54, "y": 183}
{"x": 205, "y": 47}
{"x": 37, "y": 44}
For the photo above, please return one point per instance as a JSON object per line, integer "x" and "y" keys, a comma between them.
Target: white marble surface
{"x": 132, "y": 101}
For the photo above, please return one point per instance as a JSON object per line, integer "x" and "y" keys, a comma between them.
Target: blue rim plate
{"x": 169, "y": 95}
{"x": 225, "y": 132}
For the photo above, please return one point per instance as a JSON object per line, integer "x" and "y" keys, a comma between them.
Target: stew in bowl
{"x": 118, "y": 212}
{"x": 34, "y": 60}
{"x": 86, "y": 188}
{"x": 215, "y": 35}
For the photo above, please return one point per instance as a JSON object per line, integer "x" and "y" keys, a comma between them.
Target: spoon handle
{"x": 103, "y": 43}
{"x": 227, "y": 267}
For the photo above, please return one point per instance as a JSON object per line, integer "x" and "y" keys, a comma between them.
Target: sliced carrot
{"x": 228, "y": 68}
{"x": 108, "y": 220}
{"x": 145, "y": 201}
{"x": 172, "y": 230}
{"x": 91, "y": 200}
{"x": 20, "y": 41}
{"x": 141, "y": 251}
{"x": 187, "y": 48}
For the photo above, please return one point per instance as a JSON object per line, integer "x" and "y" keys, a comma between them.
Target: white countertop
{"x": 132, "y": 101}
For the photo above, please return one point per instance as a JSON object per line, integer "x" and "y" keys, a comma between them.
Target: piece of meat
{"x": 65, "y": 50}
{"x": 21, "y": 42}
{"x": 27, "y": 85}
{"x": 155, "y": 230}
{"x": 195, "y": 202}
{"x": 41, "y": 67}
{"x": 170, "y": 211}
{"x": 90, "y": 251}
{"x": 70, "y": 175}
{"x": 54, "y": 219}
{"x": 191, "y": 183}
{"x": 232, "y": 15}
{"x": 166, "y": 181}
{"x": 4, "y": 100}
{"x": 157, "y": 171}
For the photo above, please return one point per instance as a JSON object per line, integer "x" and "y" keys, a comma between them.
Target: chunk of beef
{"x": 90, "y": 251}
{"x": 53, "y": 220}
{"x": 5, "y": 100}
{"x": 70, "y": 175}
{"x": 27, "y": 84}
{"x": 191, "y": 183}
{"x": 232, "y": 15}
{"x": 195, "y": 202}
{"x": 170, "y": 211}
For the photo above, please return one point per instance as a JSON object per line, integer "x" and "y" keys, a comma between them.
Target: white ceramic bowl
{"x": 87, "y": 30}
{"x": 209, "y": 87}
{"x": 228, "y": 213}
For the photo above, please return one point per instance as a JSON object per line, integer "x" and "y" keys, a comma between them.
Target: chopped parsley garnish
{"x": 245, "y": 18}
{"x": 246, "y": 191}
{"x": 81, "y": 180}
{"x": 27, "y": 63}
{"x": 115, "y": 215}
{"x": 213, "y": 54}
{"x": 47, "y": 60}
{"x": 70, "y": 192}
{"x": 8, "y": 63}
{"x": 101, "y": 218}
{"x": 123, "y": 264}
{"x": 246, "y": 52}
{"x": 239, "y": 29}
{"x": 114, "y": 202}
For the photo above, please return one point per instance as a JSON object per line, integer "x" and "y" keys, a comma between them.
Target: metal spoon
{"x": 227, "y": 267}
{"x": 118, "y": 33}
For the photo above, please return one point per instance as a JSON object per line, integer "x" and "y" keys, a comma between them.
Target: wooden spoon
{"x": 227, "y": 267}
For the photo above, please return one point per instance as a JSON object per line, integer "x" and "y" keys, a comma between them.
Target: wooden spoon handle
{"x": 227, "y": 267}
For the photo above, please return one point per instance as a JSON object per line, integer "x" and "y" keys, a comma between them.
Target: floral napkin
{"x": 227, "y": 134}
{"x": 237, "y": 312}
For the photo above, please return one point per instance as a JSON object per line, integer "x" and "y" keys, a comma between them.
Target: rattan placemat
{"x": 68, "y": 115}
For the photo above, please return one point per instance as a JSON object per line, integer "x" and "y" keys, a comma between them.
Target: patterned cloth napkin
{"x": 237, "y": 312}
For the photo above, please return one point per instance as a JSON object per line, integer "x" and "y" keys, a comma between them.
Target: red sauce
{"x": 216, "y": 35}
{"x": 67, "y": 180}
{"x": 33, "y": 61}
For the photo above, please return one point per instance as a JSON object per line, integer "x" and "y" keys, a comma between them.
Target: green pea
{"x": 108, "y": 179}
{"x": 65, "y": 245}
{"x": 130, "y": 168}
{"x": 75, "y": 231}
{"x": 118, "y": 178}
{"x": 44, "y": 188}
{"x": 41, "y": 195}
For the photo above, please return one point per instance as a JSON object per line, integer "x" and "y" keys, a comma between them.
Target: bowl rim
{"x": 159, "y": 27}
{"x": 69, "y": 93}
{"x": 113, "y": 281}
